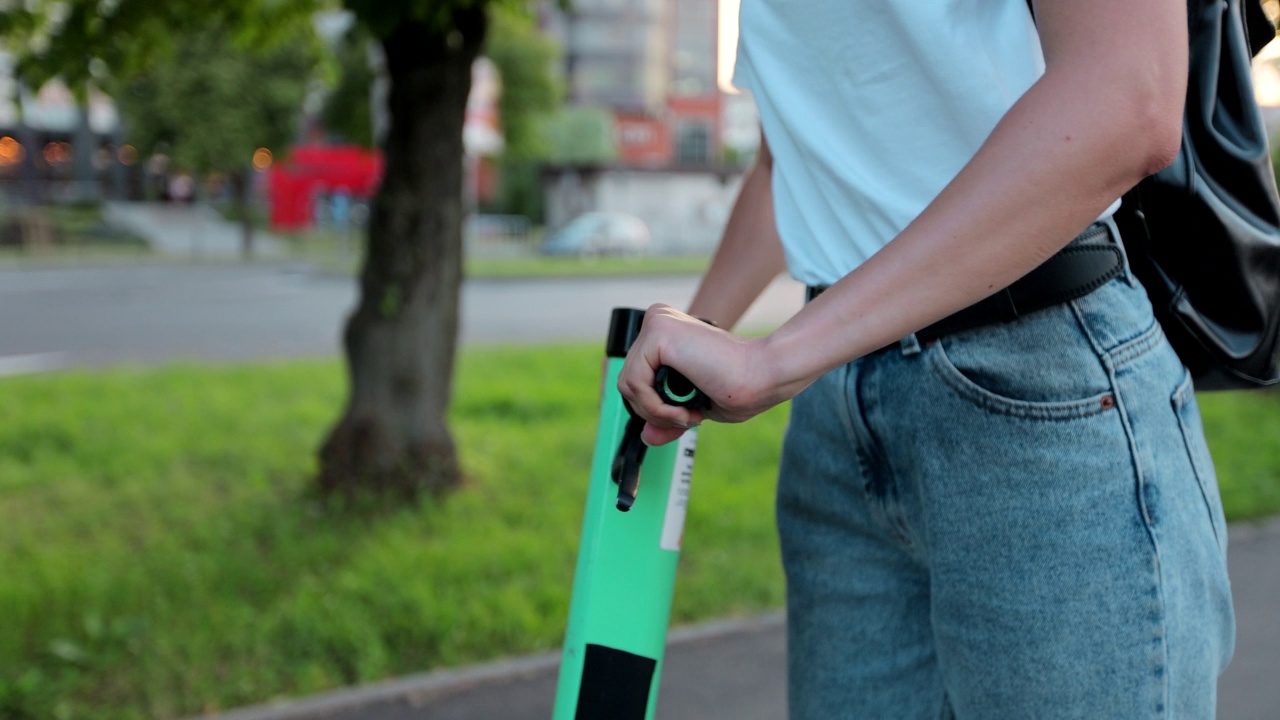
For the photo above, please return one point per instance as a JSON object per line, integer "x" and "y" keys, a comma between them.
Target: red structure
{"x": 642, "y": 140}
{"x": 313, "y": 171}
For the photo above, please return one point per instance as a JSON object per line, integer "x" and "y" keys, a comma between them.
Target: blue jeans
{"x": 1019, "y": 521}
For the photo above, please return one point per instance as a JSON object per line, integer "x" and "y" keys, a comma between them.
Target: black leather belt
{"x": 1075, "y": 271}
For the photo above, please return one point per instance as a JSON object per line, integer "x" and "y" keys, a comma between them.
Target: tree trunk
{"x": 400, "y": 340}
{"x": 240, "y": 189}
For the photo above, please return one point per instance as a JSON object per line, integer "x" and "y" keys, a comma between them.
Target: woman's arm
{"x": 1106, "y": 113}
{"x": 749, "y": 256}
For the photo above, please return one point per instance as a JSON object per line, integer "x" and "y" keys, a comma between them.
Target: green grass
{"x": 79, "y": 226}
{"x": 77, "y": 255}
{"x": 338, "y": 252}
{"x": 1243, "y": 430}
{"x": 162, "y": 556}
{"x": 82, "y": 225}
{"x": 541, "y": 266}
{"x": 79, "y": 235}
{"x": 330, "y": 259}
{"x": 259, "y": 212}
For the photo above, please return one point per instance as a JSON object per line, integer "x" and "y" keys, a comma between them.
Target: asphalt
{"x": 734, "y": 669}
{"x": 59, "y": 317}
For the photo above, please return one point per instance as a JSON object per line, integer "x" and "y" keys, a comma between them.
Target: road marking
{"x": 31, "y": 363}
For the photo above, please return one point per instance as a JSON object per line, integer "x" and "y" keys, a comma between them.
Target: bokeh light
{"x": 11, "y": 151}
{"x": 56, "y": 153}
{"x": 261, "y": 159}
{"x": 102, "y": 158}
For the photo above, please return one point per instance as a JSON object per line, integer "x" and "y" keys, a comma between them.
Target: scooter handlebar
{"x": 675, "y": 389}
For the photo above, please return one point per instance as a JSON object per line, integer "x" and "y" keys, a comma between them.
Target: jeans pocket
{"x": 1041, "y": 367}
{"x": 1187, "y": 410}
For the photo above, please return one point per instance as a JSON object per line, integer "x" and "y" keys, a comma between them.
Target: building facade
{"x": 652, "y": 65}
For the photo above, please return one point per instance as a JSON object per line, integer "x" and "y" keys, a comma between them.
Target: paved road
{"x": 726, "y": 670}
{"x": 93, "y": 316}
{"x": 734, "y": 670}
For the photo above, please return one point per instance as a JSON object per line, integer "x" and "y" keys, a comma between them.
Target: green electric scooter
{"x": 631, "y": 530}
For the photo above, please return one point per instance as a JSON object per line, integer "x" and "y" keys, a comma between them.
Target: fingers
{"x": 733, "y": 373}
{"x": 653, "y": 435}
{"x": 664, "y": 423}
{"x": 636, "y": 386}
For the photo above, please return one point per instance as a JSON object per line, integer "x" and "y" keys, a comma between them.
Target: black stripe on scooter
{"x": 615, "y": 685}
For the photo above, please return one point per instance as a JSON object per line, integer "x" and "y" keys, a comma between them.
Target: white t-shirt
{"x": 871, "y": 107}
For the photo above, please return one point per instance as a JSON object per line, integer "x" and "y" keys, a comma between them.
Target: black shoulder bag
{"x": 1203, "y": 235}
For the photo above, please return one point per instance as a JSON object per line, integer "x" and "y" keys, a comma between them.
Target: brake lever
{"x": 674, "y": 389}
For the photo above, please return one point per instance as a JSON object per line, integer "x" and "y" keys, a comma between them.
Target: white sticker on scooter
{"x": 678, "y": 497}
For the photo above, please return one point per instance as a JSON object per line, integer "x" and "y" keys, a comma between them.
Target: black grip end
{"x": 675, "y": 389}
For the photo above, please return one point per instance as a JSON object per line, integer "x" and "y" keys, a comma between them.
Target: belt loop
{"x": 910, "y": 345}
{"x": 1005, "y": 305}
{"x": 1114, "y": 231}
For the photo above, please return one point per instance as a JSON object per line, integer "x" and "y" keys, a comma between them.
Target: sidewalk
{"x": 187, "y": 231}
{"x": 734, "y": 669}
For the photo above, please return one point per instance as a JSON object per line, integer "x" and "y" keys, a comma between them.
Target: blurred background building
{"x": 652, "y": 64}
{"x": 54, "y": 147}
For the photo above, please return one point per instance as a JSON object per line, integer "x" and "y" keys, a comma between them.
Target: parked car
{"x": 599, "y": 233}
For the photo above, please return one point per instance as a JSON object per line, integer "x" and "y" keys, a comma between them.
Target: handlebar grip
{"x": 675, "y": 389}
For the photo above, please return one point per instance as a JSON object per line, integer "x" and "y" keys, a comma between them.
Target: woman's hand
{"x": 735, "y": 373}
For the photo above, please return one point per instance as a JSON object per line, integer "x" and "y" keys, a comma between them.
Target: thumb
{"x": 653, "y": 435}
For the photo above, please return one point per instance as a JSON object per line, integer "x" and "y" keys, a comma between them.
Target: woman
{"x": 992, "y": 504}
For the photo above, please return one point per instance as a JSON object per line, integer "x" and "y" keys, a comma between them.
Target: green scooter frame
{"x": 631, "y": 531}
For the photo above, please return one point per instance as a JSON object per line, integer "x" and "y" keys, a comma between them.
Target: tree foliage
{"x": 215, "y": 102}
{"x": 582, "y": 135}
{"x": 91, "y": 40}
{"x": 207, "y": 80}
{"x": 530, "y": 92}
{"x": 531, "y": 95}
{"x": 348, "y": 109}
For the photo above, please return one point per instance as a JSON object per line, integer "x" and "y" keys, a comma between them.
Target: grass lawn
{"x": 79, "y": 236}
{"x": 543, "y": 266}
{"x": 337, "y": 262}
{"x": 82, "y": 238}
{"x": 163, "y": 557}
{"x": 1243, "y": 429}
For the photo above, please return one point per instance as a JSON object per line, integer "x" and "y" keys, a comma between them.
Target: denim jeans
{"x": 1019, "y": 521}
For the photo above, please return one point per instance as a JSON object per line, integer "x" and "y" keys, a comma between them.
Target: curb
{"x": 425, "y": 687}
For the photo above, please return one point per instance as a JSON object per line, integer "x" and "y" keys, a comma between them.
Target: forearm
{"x": 749, "y": 256}
{"x": 1006, "y": 212}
